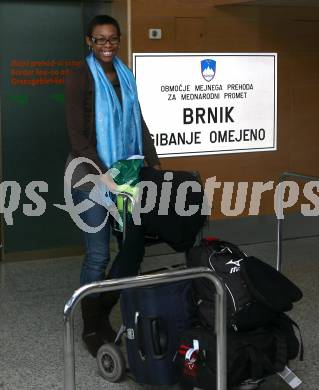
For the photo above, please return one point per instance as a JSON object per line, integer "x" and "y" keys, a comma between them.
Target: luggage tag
{"x": 190, "y": 352}
{"x": 290, "y": 378}
{"x": 190, "y": 366}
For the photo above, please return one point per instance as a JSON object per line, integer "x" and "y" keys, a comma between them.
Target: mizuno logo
{"x": 234, "y": 269}
{"x": 232, "y": 262}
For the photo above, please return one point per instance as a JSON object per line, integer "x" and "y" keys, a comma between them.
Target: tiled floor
{"x": 33, "y": 294}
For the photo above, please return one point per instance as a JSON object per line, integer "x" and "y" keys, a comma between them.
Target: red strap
{"x": 183, "y": 349}
{"x": 210, "y": 239}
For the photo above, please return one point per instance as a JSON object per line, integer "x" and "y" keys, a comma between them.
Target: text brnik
{"x": 201, "y": 104}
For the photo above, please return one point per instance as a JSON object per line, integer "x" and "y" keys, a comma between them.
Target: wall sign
{"x": 202, "y": 104}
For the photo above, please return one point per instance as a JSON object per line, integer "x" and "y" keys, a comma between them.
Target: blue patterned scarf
{"x": 118, "y": 127}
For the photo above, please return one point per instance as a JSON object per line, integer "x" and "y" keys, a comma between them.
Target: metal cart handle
{"x": 140, "y": 281}
{"x": 284, "y": 176}
{"x": 127, "y": 199}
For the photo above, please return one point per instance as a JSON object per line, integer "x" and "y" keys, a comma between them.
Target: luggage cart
{"x": 110, "y": 359}
{"x": 150, "y": 346}
{"x": 142, "y": 281}
{"x": 279, "y": 201}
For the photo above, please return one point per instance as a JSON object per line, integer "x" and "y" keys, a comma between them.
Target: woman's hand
{"x": 158, "y": 167}
{"x": 109, "y": 182}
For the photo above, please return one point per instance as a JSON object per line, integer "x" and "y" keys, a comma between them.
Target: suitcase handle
{"x": 138, "y": 331}
{"x": 159, "y": 338}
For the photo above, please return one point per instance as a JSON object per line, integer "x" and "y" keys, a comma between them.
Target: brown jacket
{"x": 80, "y": 116}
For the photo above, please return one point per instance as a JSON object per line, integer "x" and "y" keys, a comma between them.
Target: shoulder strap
{"x": 215, "y": 245}
{"x": 301, "y": 350}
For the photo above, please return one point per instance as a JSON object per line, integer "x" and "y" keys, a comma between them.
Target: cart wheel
{"x": 111, "y": 363}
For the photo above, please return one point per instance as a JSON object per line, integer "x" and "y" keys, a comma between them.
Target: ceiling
{"x": 289, "y": 3}
{"x": 282, "y": 3}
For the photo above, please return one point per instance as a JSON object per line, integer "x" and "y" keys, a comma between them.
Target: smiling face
{"x": 104, "y": 40}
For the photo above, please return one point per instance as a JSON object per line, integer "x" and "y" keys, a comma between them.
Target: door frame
{"x": 1, "y": 179}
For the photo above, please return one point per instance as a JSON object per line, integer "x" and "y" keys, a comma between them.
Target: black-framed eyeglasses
{"x": 102, "y": 41}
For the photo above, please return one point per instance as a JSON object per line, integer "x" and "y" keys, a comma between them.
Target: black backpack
{"x": 256, "y": 292}
{"x": 251, "y": 355}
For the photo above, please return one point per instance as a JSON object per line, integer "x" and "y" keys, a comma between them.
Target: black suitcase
{"x": 154, "y": 318}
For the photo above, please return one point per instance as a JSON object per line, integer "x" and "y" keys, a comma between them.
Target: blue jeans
{"x": 97, "y": 245}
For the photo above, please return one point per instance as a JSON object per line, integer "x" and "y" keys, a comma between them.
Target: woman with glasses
{"x": 105, "y": 125}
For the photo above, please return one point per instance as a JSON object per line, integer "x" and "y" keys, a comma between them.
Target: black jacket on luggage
{"x": 179, "y": 231}
{"x": 176, "y": 230}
